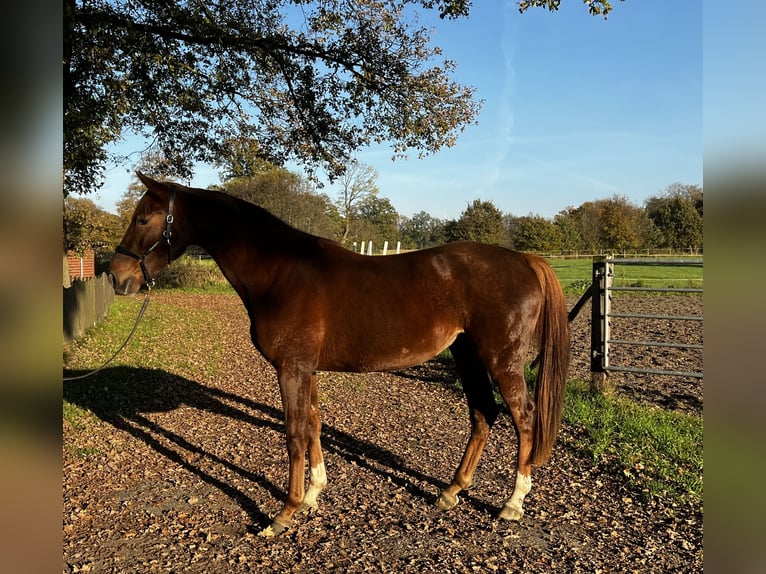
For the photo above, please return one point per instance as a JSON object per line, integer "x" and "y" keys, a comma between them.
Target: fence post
{"x": 385, "y": 248}
{"x": 599, "y": 326}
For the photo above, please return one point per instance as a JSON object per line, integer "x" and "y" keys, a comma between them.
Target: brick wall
{"x": 81, "y": 266}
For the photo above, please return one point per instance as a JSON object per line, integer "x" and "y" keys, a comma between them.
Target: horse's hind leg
{"x": 318, "y": 475}
{"x": 483, "y": 412}
{"x": 514, "y": 391}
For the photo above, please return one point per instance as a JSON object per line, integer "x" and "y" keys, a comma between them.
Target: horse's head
{"x": 151, "y": 240}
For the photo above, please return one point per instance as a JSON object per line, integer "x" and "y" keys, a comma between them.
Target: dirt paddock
{"x": 178, "y": 471}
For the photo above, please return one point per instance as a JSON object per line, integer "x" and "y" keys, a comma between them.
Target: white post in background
{"x": 385, "y": 247}
{"x": 362, "y": 249}
{"x": 354, "y": 246}
{"x": 398, "y": 247}
{"x": 369, "y": 248}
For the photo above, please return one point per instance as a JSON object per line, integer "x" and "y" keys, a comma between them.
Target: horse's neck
{"x": 245, "y": 243}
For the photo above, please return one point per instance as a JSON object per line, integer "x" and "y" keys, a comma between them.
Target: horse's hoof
{"x": 447, "y": 501}
{"x": 308, "y": 507}
{"x": 511, "y": 513}
{"x": 275, "y": 529}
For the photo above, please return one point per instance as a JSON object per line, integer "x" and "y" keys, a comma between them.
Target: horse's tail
{"x": 552, "y": 361}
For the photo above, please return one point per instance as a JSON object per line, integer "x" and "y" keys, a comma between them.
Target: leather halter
{"x": 166, "y": 233}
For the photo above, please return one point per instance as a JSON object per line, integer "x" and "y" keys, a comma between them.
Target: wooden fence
{"x": 86, "y": 302}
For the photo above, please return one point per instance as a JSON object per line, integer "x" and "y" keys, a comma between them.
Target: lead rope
{"x": 149, "y": 280}
{"x": 117, "y": 352}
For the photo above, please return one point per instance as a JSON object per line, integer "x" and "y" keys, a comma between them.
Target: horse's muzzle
{"x": 126, "y": 287}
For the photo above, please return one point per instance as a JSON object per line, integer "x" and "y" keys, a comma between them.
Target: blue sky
{"x": 577, "y": 108}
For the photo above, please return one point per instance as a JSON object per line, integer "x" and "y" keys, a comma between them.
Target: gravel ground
{"x": 177, "y": 472}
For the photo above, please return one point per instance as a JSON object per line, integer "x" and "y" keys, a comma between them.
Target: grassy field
{"x": 575, "y": 275}
{"x": 658, "y": 453}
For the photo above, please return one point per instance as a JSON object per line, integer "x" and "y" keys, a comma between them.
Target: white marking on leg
{"x": 513, "y": 509}
{"x": 522, "y": 487}
{"x": 317, "y": 482}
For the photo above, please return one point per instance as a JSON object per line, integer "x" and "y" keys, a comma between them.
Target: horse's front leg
{"x": 295, "y": 386}
{"x": 318, "y": 475}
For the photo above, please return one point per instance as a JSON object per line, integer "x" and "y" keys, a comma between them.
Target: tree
{"x": 677, "y": 215}
{"x": 289, "y": 197}
{"x": 567, "y": 226}
{"x": 376, "y": 220}
{"x": 481, "y": 221}
{"x": 129, "y": 200}
{"x": 585, "y": 220}
{"x": 242, "y": 157}
{"x": 357, "y": 185}
{"x": 86, "y": 226}
{"x": 622, "y": 225}
{"x": 595, "y": 7}
{"x": 421, "y": 231}
{"x": 536, "y": 233}
{"x": 311, "y": 82}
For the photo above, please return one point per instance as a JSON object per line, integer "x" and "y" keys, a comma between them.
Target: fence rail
{"x": 600, "y": 294}
{"x": 86, "y": 302}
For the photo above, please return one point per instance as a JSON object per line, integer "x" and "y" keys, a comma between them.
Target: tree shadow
{"x": 123, "y": 396}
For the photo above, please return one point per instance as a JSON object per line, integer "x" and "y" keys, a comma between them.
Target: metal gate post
{"x": 599, "y": 326}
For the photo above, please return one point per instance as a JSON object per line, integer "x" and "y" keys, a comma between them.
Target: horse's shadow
{"x": 123, "y": 396}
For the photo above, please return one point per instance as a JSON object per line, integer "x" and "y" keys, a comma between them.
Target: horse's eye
{"x": 142, "y": 221}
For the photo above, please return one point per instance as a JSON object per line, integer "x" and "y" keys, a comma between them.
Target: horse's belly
{"x": 384, "y": 352}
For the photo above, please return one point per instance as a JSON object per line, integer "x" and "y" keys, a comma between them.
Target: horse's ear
{"x": 146, "y": 180}
{"x": 152, "y": 184}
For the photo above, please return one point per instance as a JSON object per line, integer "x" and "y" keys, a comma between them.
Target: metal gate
{"x": 602, "y": 314}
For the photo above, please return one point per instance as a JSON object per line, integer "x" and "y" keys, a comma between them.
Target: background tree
{"x": 289, "y": 197}
{"x": 421, "y": 231}
{"x": 127, "y": 203}
{"x": 86, "y": 226}
{"x": 481, "y": 221}
{"x": 536, "y": 233}
{"x": 376, "y": 220}
{"x": 357, "y": 185}
{"x": 622, "y": 224}
{"x": 677, "y": 215}
{"x": 242, "y": 157}
{"x": 585, "y": 220}
{"x": 570, "y": 237}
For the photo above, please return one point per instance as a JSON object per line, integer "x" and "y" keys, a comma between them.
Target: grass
{"x": 575, "y": 275}
{"x": 172, "y": 338}
{"x": 162, "y": 323}
{"x": 658, "y": 452}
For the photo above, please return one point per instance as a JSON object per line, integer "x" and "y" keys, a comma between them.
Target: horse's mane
{"x": 268, "y": 224}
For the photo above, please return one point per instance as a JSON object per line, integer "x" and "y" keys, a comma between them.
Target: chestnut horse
{"x": 317, "y": 306}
